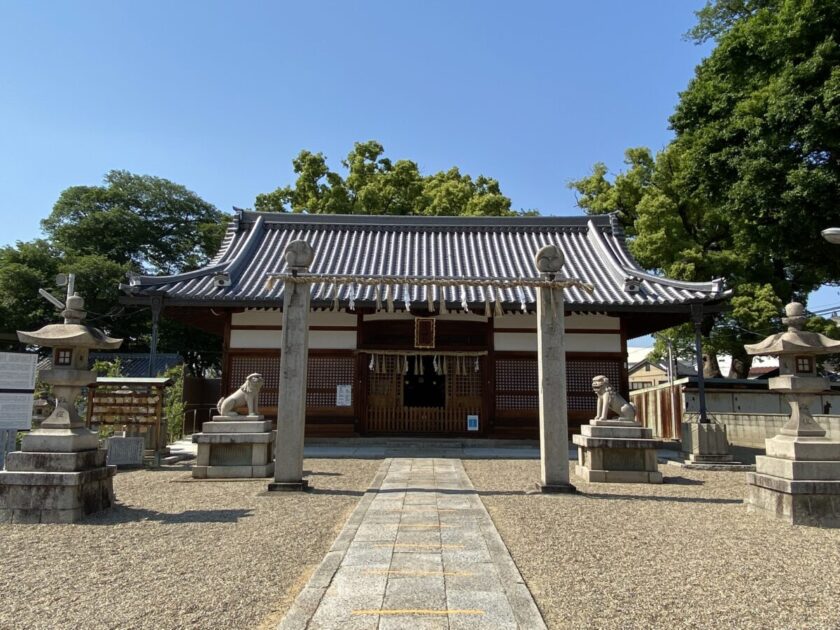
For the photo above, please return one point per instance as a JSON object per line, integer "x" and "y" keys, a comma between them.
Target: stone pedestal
{"x": 44, "y": 487}
{"x": 705, "y": 443}
{"x": 231, "y": 448}
{"x": 798, "y": 481}
{"x": 60, "y": 475}
{"x": 616, "y": 451}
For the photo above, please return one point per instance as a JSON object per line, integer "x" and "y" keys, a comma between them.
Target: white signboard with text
{"x": 343, "y": 395}
{"x": 17, "y": 386}
{"x": 16, "y": 411}
{"x": 17, "y": 370}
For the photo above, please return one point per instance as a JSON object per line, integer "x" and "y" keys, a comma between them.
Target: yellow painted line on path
{"x": 420, "y": 546}
{"x": 426, "y": 526}
{"x": 396, "y": 572}
{"x": 428, "y": 509}
{"x": 418, "y": 611}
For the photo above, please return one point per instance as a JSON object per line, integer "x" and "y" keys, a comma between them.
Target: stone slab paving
{"x": 419, "y": 551}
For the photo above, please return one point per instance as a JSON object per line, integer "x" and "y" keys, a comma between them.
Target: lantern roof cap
{"x": 795, "y": 340}
{"x": 71, "y": 336}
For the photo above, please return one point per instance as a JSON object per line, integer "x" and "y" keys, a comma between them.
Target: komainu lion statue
{"x": 245, "y": 395}
{"x": 611, "y": 401}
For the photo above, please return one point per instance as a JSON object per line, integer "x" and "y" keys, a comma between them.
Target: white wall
{"x": 257, "y": 317}
{"x": 751, "y": 429}
{"x": 255, "y": 338}
{"x": 582, "y": 342}
{"x": 402, "y": 315}
{"x": 573, "y": 321}
{"x": 318, "y": 339}
{"x": 526, "y": 341}
{"x": 274, "y": 317}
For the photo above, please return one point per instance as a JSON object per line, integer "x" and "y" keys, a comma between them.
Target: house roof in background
{"x": 134, "y": 364}
{"x": 637, "y": 356}
{"x": 467, "y": 247}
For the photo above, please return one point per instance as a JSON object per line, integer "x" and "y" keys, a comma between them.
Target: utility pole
{"x": 697, "y": 318}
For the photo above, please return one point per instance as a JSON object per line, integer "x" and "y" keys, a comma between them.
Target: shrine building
{"x": 449, "y": 360}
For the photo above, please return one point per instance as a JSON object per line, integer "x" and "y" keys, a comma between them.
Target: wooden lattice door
{"x": 388, "y": 413}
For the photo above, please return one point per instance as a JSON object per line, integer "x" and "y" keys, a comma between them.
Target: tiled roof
{"x": 468, "y": 247}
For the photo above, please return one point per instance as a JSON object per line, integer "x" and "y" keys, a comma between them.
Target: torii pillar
{"x": 294, "y": 352}
{"x": 551, "y": 357}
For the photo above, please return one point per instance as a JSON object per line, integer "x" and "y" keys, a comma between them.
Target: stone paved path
{"x": 419, "y": 551}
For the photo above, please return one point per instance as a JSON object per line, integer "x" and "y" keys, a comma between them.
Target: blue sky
{"x": 220, "y": 96}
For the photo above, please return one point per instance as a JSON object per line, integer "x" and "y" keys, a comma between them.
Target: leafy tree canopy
{"x": 376, "y": 185}
{"x": 133, "y": 223}
{"x": 148, "y": 223}
{"x": 753, "y": 173}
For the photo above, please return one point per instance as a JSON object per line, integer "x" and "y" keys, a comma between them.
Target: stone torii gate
{"x": 551, "y": 357}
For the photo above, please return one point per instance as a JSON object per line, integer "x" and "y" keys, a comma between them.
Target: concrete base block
{"x": 245, "y": 425}
{"x": 705, "y": 443}
{"x": 565, "y": 488}
{"x": 231, "y": 438}
{"x": 613, "y": 422}
{"x": 618, "y": 476}
{"x": 794, "y": 484}
{"x": 803, "y": 448}
{"x": 257, "y": 417}
{"x": 233, "y": 472}
{"x": 719, "y": 467}
{"x": 31, "y": 495}
{"x": 612, "y": 457}
{"x": 695, "y": 458}
{"x": 818, "y": 509}
{"x": 288, "y": 486}
{"x": 20, "y": 461}
{"x": 234, "y": 455}
{"x": 60, "y": 441}
{"x": 625, "y": 430}
{"x": 798, "y": 470}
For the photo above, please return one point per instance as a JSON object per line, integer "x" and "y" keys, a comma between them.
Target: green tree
{"x": 376, "y": 185}
{"x": 760, "y": 129}
{"x": 108, "y": 368}
{"x": 24, "y": 269}
{"x": 174, "y": 405}
{"x": 133, "y": 223}
{"x": 753, "y": 173}
{"x": 148, "y": 223}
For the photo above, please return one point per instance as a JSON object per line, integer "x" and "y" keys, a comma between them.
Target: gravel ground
{"x": 685, "y": 554}
{"x": 178, "y": 554}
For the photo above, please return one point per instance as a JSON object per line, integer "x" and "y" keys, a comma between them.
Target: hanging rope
{"x": 394, "y": 281}
{"x": 421, "y": 353}
{"x": 389, "y": 292}
{"x": 494, "y": 289}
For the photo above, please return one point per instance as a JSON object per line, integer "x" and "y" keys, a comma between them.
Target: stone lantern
{"x": 59, "y": 475}
{"x": 798, "y": 480}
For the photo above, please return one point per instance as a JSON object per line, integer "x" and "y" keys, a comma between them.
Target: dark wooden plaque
{"x": 424, "y": 332}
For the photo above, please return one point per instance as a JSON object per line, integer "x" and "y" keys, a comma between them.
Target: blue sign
{"x": 472, "y": 423}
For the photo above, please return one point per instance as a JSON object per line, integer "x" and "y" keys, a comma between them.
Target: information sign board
{"x": 17, "y": 387}
{"x": 343, "y": 395}
{"x": 17, "y": 370}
